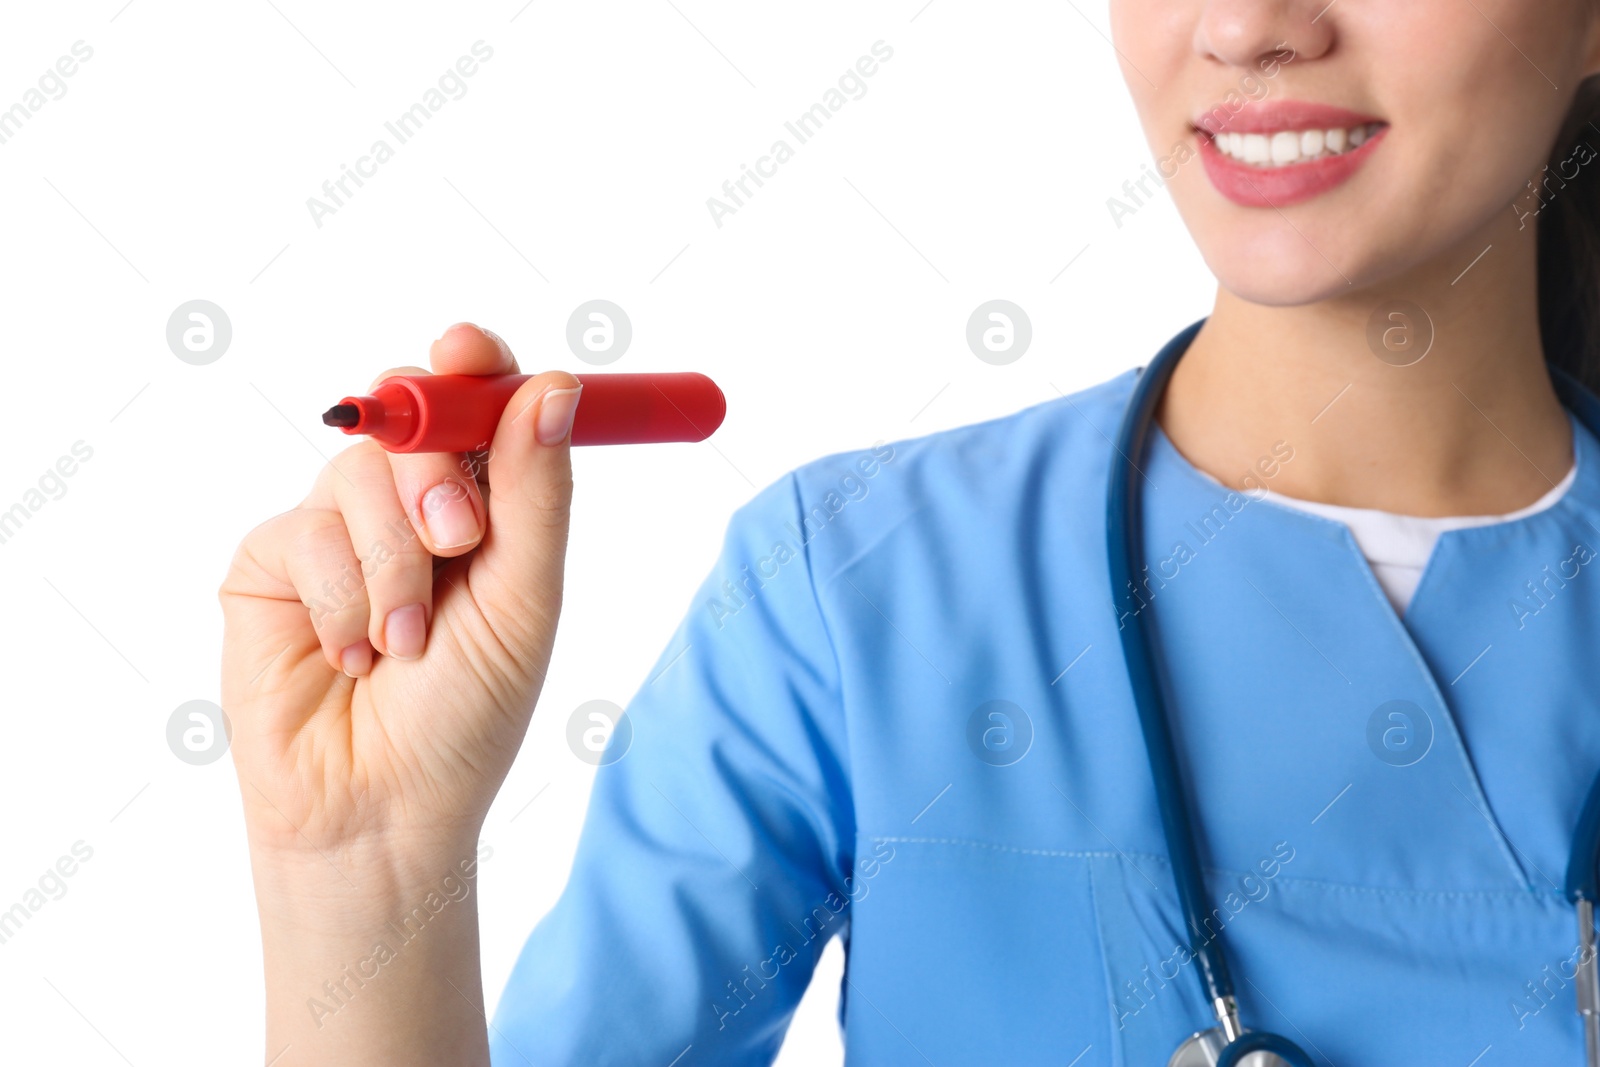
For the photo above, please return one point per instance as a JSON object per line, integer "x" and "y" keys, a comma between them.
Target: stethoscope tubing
{"x": 1125, "y": 556}
{"x": 1124, "y": 526}
{"x": 1125, "y": 551}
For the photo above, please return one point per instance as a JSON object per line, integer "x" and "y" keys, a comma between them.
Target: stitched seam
{"x": 1066, "y": 853}
{"x": 1281, "y": 879}
{"x": 1105, "y": 966}
{"x": 838, "y": 679}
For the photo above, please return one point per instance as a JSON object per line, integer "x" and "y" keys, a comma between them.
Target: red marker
{"x": 459, "y": 412}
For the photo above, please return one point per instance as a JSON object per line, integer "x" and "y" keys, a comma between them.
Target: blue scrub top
{"x": 896, "y": 712}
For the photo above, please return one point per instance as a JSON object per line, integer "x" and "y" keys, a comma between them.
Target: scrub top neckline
{"x": 1580, "y": 497}
{"x": 1437, "y": 522}
{"x": 1398, "y": 545}
{"x": 1586, "y": 458}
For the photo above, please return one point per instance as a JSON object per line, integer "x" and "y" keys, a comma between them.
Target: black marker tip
{"x": 341, "y": 415}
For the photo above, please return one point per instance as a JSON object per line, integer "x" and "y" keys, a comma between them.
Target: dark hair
{"x": 1569, "y": 242}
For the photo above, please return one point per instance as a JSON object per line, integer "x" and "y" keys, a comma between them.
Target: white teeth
{"x": 1285, "y": 147}
{"x": 1292, "y": 146}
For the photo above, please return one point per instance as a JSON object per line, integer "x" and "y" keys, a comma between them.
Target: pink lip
{"x": 1251, "y": 186}
{"x": 1267, "y": 116}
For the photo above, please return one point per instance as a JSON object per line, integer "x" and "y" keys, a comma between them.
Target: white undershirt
{"x": 1397, "y": 546}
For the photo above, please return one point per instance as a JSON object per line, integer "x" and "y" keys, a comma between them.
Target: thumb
{"x": 516, "y": 576}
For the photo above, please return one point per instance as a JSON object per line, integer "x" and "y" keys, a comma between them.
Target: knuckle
{"x": 348, "y": 465}
{"x": 552, "y": 502}
{"x": 246, "y": 569}
{"x": 240, "y": 567}
{"x": 344, "y": 616}
{"x": 397, "y": 542}
{"x": 397, "y": 572}
{"x": 322, "y": 533}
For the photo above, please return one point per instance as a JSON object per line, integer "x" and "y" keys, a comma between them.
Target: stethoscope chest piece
{"x": 1203, "y": 1048}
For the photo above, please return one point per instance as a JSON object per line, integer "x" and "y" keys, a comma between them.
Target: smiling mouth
{"x": 1282, "y": 148}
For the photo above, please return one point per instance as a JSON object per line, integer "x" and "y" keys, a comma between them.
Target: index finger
{"x": 467, "y": 348}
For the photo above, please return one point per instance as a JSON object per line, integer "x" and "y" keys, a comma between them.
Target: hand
{"x": 385, "y": 641}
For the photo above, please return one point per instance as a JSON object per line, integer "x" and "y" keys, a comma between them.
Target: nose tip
{"x": 1244, "y": 33}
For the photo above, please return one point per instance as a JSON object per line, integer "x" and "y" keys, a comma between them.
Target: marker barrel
{"x": 460, "y": 412}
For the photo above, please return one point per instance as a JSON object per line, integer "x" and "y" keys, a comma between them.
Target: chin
{"x": 1290, "y": 288}
{"x": 1280, "y": 267}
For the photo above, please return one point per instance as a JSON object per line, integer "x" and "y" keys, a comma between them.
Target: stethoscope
{"x": 1229, "y": 1044}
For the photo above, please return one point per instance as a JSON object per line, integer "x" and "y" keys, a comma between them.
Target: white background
{"x": 831, "y": 308}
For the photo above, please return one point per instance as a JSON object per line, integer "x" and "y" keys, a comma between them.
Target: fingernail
{"x": 405, "y": 631}
{"x": 357, "y": 659}
{"x": 555, "y": 414}
{"x": 447, "y": 513}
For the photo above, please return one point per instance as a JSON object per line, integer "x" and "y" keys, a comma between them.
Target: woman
{"x": 898, "y": 709}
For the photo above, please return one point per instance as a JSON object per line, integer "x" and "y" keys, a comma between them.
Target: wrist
{"x": 373, "y": 959}
{"x": 330, "y": 890}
